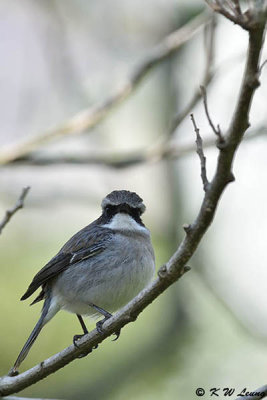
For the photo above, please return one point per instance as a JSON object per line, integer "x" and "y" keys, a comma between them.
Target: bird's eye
{"x": 109, "y": 210}
{"x": 135, "y": 213}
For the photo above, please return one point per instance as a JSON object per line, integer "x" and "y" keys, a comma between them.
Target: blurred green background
{"x": 208, "y": 330}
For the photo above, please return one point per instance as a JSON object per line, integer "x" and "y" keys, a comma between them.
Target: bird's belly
{"x": 107, "y": 285}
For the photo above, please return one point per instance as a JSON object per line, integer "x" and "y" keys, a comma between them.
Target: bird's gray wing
{"x": 86, "y": 243}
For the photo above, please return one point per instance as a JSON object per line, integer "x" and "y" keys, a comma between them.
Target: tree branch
{"x": 217, "y": 131}
{"x": 231, "y": 10}
{"x": 200, "y": 153}
{"x": 164, "y": 151}
{"x": 176, "y": 266}
{"x": 19, "y": 204}
{"x": 89, "y": 118}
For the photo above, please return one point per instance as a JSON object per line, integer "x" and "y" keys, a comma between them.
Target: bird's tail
{"x": 36, "y": 330}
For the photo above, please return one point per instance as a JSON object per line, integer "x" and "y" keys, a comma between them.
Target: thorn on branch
{"x": 19, "y": 204}
{"x": 186, "y": 269}
{"x": 132, "y": 317}
{"x": 231, "y": 177}
{"x": 162, "y": 272}
{"x": 187, "y": 228}
{"x": 200, "y": 152}
{"x": 217, "y": 131}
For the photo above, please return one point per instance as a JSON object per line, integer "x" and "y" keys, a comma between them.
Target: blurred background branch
{"x": 89, "y": 118}
{"x": 209, "y": 35}
{"x": 19, "y": 204}
{"x": 155, "y": 153}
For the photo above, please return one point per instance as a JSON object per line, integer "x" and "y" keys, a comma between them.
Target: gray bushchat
{"x": 100, "y": 269}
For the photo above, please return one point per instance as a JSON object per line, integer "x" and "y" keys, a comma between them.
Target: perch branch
{"x": 19, "y": 204}
{"x": 89, "y": 118}
{"x": 176, "y": 266}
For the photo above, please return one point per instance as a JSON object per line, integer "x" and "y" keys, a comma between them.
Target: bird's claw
{"x": 75, "y": 340}
{"x": 99, "y": 328}
{"x": 13, "y": 372}
{"x": 117, "y": 335}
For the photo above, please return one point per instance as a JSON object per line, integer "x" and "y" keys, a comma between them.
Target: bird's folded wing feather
{"x": 86, "y": 243}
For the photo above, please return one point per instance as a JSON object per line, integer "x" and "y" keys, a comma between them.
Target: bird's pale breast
{"x": 109, "y": 279}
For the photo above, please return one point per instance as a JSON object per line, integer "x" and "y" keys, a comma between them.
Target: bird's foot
{"x": 76, "y": 338}
{"x": 99, "y": 327}
{"x": 13, "y": 372}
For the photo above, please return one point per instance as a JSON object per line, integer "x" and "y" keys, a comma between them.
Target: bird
{"x": 99, "y": 269}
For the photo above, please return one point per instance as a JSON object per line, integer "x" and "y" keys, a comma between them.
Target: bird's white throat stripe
{"x": 124, "y": 222}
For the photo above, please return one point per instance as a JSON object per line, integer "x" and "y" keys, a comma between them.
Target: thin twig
{"x": 217, "y": 7}
{"x": 217, "y": 130}
{"x": 237, "y": 6}
{"x": 247, "y": 20}
{"x": 232, "y": 12}
{"x": 263, "y": 65}
{"x": 19, "y": 204}
{"x": 87, "y": 119}
{"x": 231, "y": 6}
{"x": 200, "y": 153}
